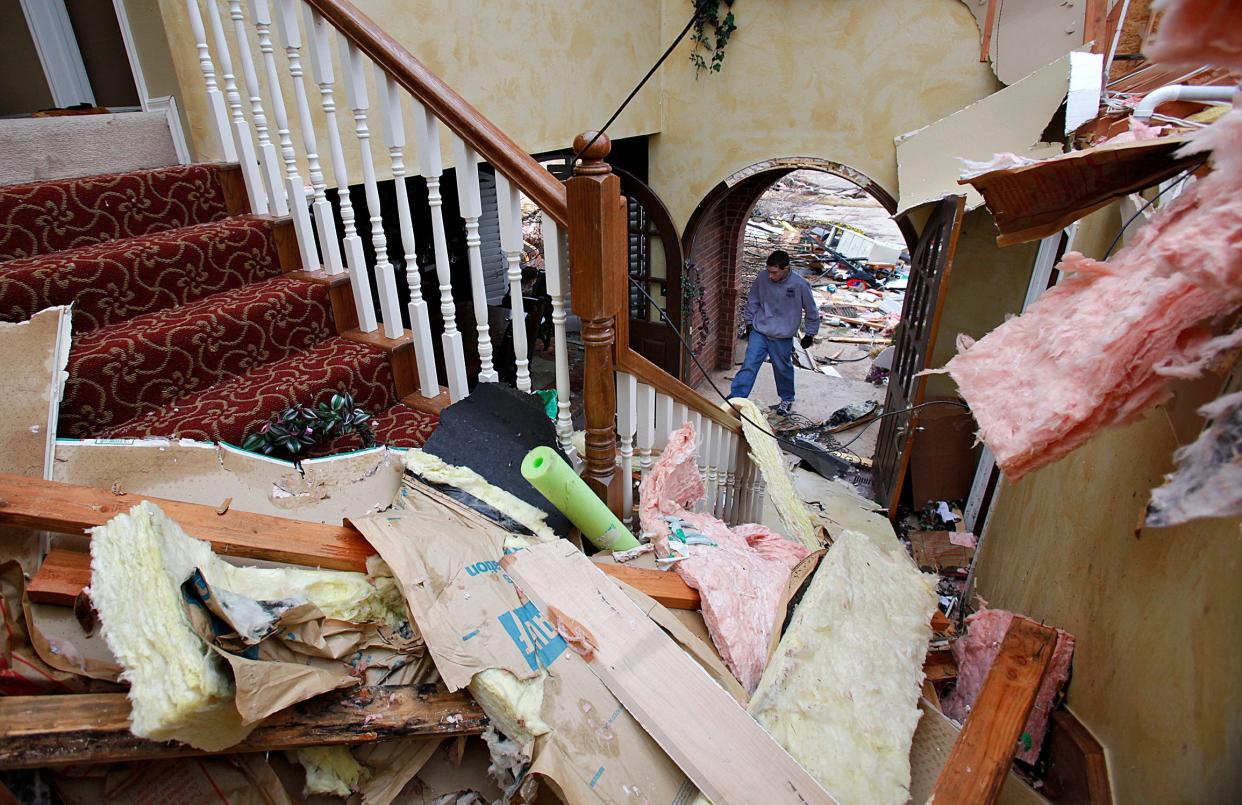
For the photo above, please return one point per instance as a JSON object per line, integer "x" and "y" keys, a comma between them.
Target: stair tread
{"x": 118, "y": 279}
{"x": 231, "y": 409}
{"x": 50, "y": 216}
{"x": 125, "y": 369}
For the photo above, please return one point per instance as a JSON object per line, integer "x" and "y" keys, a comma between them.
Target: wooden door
{"x": 930, "y": 264}
{"x": 655, "y": 264}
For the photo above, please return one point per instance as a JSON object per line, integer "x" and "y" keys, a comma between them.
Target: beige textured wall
{"x": 541, "y": 70}
{"x": 835, "y": 80}
{"x": 1157, "y": 673}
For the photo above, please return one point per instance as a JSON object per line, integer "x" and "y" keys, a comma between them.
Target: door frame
{"x": 57, "y": 46}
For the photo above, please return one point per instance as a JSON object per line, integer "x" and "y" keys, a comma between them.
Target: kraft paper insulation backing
{"x": 841, "y": 694}
{"x": 799, "y": 525}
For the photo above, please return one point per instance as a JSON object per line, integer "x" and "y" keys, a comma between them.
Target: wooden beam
{"x": 1095, "y": 25}
{"x": 707, "y": 734}
{"x": 62, "y": 575}
{"x": 981, "y": 757}
{"x": 665, "y": 586}
{"x": 40, "y": 731}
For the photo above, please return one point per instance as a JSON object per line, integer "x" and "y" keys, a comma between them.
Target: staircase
{"x": 185, "y": 321}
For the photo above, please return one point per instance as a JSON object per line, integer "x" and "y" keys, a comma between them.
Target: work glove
{"x": 806, "y": 341}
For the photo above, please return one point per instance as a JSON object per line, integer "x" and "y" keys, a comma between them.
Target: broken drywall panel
{"x": 325, "y": 490}
{"x": 1027, "y": 34}
{"x": 1011, "y": 121}
{"x": 34, "y": 354}
{"x": 841, "y": 693}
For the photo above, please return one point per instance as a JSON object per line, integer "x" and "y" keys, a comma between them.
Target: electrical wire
{"x": 600, "y": 133}
{"x": 1184, "y": 176}
{"x": 764, "y": 428}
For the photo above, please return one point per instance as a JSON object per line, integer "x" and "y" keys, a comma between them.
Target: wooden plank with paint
{"x": 38, "y": 731}
{"x": 721, "y": 748}
{"x": 981, "y": 757}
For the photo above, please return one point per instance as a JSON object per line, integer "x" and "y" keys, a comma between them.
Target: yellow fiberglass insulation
{"x": 798, "y": 523}
{"x": 330, "y": 770}
{"x": 841, "y": 694}
{"x": 178, "y": 687}
{"x": 434, "y": 469}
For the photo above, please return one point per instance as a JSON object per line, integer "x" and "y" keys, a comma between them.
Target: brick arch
{"x": 712, "y": 243}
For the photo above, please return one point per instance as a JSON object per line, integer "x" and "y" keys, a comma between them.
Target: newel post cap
{"x": 591, "y": 148}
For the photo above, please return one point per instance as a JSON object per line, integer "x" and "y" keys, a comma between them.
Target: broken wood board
{"x": 71, "y": 509}
{"x": 34, "y": 354}
{"x": 664, "y": 586}
{"x": 983, "y": 753}
{"x": 842, "y": 690}
{"x": 1033, "y": 34}
{"x": 1012, "y": 120}
{"x": 40, "y": 731}
{"x": 1034, "y": 201}
{"x": 321, "y": 490}
{"x": 700, "y": 726}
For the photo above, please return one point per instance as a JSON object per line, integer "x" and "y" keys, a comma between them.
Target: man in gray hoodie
{"x": 778, "y": 298}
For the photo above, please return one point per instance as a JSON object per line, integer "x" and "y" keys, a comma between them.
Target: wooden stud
{"x": 989, "y": 23}
{"x": 979, "y": 763}
{"x": 665, "y": 587}
{"x": 38, "y": 731}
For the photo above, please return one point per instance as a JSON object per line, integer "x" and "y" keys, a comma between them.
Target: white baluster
{"x": 646, "y": 426}
{"x": 509, "y": 203}
{"x": 420, "y": 322}
{"x": 471, "y": 205}
{"x": 627, "y": 410}
{"x": 325, "y": 226}
{"x": 664, "y": 420}
{"x": 712, "y": 485}
{"x": 729, "y": 498}
{"x": 741, "y": 510}
{"x": 359, "y": 102}
{"x": 255, "y": 192}
{"x": 697, "y": 420}
{"x": 269, "y": 165}
{"x": 555, "y": 265}
{"x": 319, "y": 42}
{"x": 428, "y": 130}
{"x": 295, "y": 190}
{"x": 681, "y": 415}
{"x": 215, "y": 99}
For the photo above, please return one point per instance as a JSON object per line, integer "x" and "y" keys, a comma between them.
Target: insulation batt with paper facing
{"x": 841, "y": 693}
{"x": 435, "y": 469}
{"x": 138, "y": 561}
{"x": 1098, "y": 349}
{"x": 799, "y": 525}
{"x": 740, "y": 579}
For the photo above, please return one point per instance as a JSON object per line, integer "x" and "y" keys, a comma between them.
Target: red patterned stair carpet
{"x": 183, "y": 324}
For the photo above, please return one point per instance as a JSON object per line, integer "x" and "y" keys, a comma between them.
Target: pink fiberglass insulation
{"x": 1097, "y": 349}
{"x": 1198, "y": 32}
{"x": 1208, "y": 480}
{"x": 975, "y": 652}
{"x": 740, "y": 579}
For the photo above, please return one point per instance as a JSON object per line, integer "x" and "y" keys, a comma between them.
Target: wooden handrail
{"x": 492, "y": 144}
{"x": 627, "y": 360}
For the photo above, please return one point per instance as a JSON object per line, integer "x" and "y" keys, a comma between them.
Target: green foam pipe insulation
{"x": 558, "y": 482}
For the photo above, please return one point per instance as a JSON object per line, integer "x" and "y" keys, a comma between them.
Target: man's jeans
{"x": 758, "y": 348}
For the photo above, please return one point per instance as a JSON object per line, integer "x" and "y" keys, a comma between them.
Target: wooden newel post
{"x": 597, "y": 260}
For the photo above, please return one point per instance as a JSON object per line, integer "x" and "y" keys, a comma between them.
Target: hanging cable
{"x": 1174, "y": 183}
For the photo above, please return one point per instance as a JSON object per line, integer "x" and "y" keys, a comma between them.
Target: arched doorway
{"x": 712, "y": 241}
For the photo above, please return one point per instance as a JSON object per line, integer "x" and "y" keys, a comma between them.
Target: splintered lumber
{"x": 983, "y": 753}
{"x": 94, "y": 728}
{"x": 70, "y": 509}
{"x": 706, "y": 733}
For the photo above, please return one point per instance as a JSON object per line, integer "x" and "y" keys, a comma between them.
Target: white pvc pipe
{"x": 1180, "y": 92}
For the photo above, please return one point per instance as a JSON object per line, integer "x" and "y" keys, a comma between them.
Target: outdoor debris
{"x": 1208, "y": 478}
{"x": 975, "y": 653}
{"x": 841, "y": 694}
{"x": 741, "y": 572}
{"x": 1145, "y": 310}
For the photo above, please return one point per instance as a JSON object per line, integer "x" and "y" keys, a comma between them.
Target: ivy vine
{"x": 711, "y": 35}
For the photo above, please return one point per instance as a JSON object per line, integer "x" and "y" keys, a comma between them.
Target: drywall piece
{"x": 1012, "y": 121}
{"x": 799, "y": 526}
{"x": 34, "y": 354}
{"x": 701, "y": 727}
{"x": 1027, "y": 35}
{"x": 325, "y": 490}
{"x": 520, "y": 670}
{"x": 841, "y": 693}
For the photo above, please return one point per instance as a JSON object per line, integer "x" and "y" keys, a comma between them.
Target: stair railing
{"x": 627, "y": 401}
